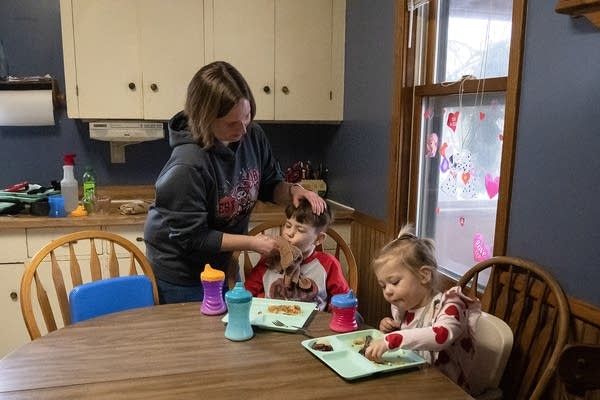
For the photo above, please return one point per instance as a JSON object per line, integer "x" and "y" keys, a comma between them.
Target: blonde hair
{"x": 409, "y": 251}
{"x": 213, "y": 91}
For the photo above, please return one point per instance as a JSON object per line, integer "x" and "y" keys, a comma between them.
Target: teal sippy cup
{"x": 238, "y": 302}
{"x": 343, "y": 317}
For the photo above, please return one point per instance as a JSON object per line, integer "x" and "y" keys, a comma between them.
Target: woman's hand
{"x": 264, "y": 244}
{"x": 376, "y": 350}
{"x": 388, "y": 325}
{"x": 317, "y": 203}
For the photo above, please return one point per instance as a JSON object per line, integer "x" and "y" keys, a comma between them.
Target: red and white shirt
{"x": 441, "y": 332}
{"x": 322, "y": 269}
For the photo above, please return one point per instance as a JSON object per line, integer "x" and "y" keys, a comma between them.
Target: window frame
{"x": 407, "y": 99}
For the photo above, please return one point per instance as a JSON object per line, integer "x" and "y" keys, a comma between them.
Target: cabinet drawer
{"x": 14, "y": 246}
{"x": 39, "y": 237}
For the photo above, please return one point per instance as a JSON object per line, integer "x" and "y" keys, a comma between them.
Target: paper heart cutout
{"x": 501, "y": 137}
{"x": 443, "y": 149}
{"x": 461, "y": 221}
{"x": 428, "y": 114}
{"x": 445, "y": 165}
{"x": 465, "y": 177}
{"x": 452, "y": 120}
{"x": 481, "y": 251}
{"x": 481, "y": 115}
{"x": 492, "y": 185}
{"x": 437, "y": 210}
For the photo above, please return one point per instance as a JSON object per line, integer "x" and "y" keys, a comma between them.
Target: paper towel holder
{"x": 36, "y": 83}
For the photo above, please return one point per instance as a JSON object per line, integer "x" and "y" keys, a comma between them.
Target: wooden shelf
{"x": 581, "y": 8}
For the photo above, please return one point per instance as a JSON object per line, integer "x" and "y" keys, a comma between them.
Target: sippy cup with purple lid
{"x": 344, "y": 307}
{"x": 212, "y": 283}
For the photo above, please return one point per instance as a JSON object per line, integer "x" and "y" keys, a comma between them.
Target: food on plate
{"x": 285, "y": 309}
{"x": 322, "y": 345}
{"x": 366, "y": 343}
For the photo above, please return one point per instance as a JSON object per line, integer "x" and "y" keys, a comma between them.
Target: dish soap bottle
{"x": 89, "y": 190}
{"x": 68, "y": 185}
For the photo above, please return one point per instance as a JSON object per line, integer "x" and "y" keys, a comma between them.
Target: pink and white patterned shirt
{"x": 441, "y": 332}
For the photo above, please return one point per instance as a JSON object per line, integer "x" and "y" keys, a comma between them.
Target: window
{"x": 459, "y": 93}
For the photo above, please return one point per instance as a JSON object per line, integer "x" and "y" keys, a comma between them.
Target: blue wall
{"x": 554, "y": 211}
{"x": 30, "y": 30}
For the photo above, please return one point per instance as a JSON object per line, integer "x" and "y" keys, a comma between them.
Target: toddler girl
{"x": 437, "y": 325}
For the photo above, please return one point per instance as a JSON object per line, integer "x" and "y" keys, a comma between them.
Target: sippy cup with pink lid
{"x": 212, "y": 283}
{"x": 344, "y": 307}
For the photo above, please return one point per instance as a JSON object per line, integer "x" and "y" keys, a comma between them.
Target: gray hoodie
{"x": 201, "y": 194}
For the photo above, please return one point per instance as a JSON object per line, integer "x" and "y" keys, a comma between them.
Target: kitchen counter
{"x": 121, "y": 194}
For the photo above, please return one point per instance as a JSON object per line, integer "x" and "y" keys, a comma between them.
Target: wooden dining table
{"x": 175, "y": 352}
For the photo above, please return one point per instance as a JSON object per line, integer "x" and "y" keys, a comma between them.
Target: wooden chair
{"x": 579, "y": 368}
{"x": 534, "y": 305}
{"x": 100, "y": 251}
{"x": 341, "y": 251}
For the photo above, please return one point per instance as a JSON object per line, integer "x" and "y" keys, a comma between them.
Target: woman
{"x": 221, "y": 163}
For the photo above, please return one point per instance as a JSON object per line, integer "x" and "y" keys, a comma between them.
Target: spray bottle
{"x": 68, "y": 186}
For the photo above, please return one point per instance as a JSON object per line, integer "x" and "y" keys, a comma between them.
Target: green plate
{"x": 348, "y": 363}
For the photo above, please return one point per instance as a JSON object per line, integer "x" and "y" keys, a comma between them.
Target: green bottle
{"x": 89, "y": 189}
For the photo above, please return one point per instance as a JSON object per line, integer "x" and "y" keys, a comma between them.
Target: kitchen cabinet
{"x": 13, "y": 253}
{"x": 130, "y": 59}
{"x": 290, "y": 52}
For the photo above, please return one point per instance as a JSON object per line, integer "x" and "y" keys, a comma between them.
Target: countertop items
{"x": 121, "y": 195}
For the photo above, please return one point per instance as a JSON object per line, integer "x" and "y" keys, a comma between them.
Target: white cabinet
{"x": 13, "y": 253}
{"x": 130, "y": 59}
{"x": 14, "y": 332}
{"x": 291, "y": 53}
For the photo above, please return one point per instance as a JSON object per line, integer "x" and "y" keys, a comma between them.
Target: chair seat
{"x": 493, "y": 343}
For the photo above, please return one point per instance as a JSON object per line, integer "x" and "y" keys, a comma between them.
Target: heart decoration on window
{"x": 492, "y": 185}
{"x": 481, "y": 250}
{"x": 452, "y": 120}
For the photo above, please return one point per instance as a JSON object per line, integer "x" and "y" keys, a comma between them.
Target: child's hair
{"x": 304, "y": 215}
{"x": 409, "y": 251}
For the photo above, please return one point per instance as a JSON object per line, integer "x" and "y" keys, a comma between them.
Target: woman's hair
{"x": 304, "y": 215}
{"x": 213, "y": 91}
{"x": 409, "y": 251}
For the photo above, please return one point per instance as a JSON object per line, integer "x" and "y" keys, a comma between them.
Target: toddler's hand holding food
{"x": 388, "y": 325}
{"x": 375, "y": 350}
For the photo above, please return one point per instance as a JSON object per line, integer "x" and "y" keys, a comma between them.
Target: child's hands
{"x": 388, "y": 325}
{"x": 376, "y": 350}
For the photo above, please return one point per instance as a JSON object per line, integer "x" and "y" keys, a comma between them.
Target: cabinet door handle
{"x": 139, "y": 239}
{"x": 131, "y": 85}
{"x": 14, "y": 296}
{"x": 154, "y": 87}
{"x": 285, "y": 90}
{"x": 266, "y": 89}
